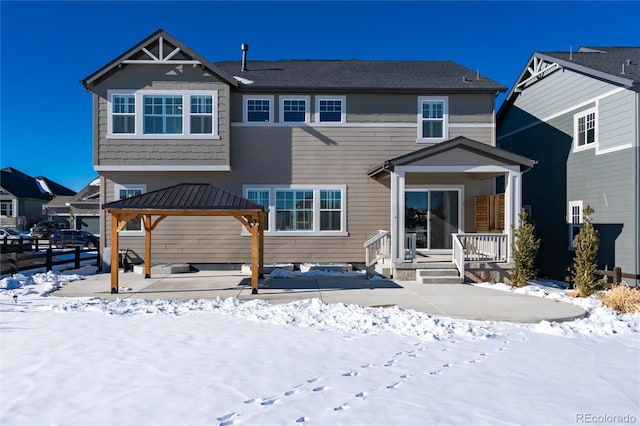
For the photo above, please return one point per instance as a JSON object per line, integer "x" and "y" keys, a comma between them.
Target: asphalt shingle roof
{"x": 608, "y": 60}
{"x": 185, "y": 196}
{"x": 333, "y": 75}
{"x": 24, "y": 186}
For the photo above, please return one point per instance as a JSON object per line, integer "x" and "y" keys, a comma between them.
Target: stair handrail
{"x": 458, "y": 253}
{"x": 377, "y": 247}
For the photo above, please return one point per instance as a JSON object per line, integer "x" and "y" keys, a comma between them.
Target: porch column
{"x": 512, "y": 207}
{"x": 397, "y": 215}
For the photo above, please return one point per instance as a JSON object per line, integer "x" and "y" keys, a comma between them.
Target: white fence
{"x": 377, "y": 248}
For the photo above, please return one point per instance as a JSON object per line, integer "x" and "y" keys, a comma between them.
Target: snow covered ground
{"x": 224, "y": 362}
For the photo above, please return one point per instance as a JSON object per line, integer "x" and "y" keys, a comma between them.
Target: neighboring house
{"x": 337, "y": 150}
{"x": 578, "y": 114}
{"x": 23, "y": 198}
{"x": 82, "y": 210}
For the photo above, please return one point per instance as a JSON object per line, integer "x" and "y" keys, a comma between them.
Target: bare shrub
{"x": 622, "y": 298}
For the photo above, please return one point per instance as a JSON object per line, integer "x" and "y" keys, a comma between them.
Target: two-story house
{"x": 337, "y": 150}
{"x": 578, "y": 114}
{"x": 23, "y": 198}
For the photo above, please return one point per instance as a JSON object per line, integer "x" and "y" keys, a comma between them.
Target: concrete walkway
{"x": 448, "y": 300}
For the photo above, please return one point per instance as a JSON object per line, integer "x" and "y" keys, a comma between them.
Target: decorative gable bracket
{"x": 161, "y": 51}
{"x": 536, "y": 69}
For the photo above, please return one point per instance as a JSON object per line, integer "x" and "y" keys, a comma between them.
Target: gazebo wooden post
{"x": 147, "y": 245}
{"x": 261, "y": 244}
{"x": 114, "y": 254}
{"x": 255, "y": 255}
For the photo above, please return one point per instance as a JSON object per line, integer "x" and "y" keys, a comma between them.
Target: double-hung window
{"x": 574, "y": 219}
{"x": 258, "y": 109}
{"x": 6, "y": 208}
{"x": 302, "y": 210}
{"x": 122, "y": 191}
{"x": 294, "y": 109}
{"x": 331, "y": 109}
{"x": 585, "y": 130}
{"x": 433, "y": 118}
{"x": 172, "y": 114}
{"x": 124, "y": 114}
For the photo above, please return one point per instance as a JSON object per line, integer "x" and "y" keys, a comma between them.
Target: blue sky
{"x": 48, "y": 47}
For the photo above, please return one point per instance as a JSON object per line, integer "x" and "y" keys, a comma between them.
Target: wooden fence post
{"x": 49, "y": 260}
{"x": 617, "y": 275}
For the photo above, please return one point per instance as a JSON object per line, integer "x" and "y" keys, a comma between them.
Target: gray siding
{"x": 608, "y": 184}
{"x": 604, "y": 178}
{"x": 159, "y": 152}
{"x": 283, "y": 155}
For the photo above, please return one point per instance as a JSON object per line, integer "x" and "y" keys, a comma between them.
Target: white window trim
{"x": 576, "y": 117}
{"x": 343, "y": 114}
{"x": 13, "y": 207}
{"x": 445, "y": 119}
{"x": 571, "y": 225}
{"x": 307, "y": 112}
{"x": 116, "y": 196}
{"x": 186, "y": 114}
{"x": 271, "y": 215}
{"x": 245, "y": 103}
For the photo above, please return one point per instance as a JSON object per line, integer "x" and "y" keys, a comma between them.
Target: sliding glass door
{"x": 432, "y": 215}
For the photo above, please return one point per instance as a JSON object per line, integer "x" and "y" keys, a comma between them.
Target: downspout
{"x": 637, "y": 194}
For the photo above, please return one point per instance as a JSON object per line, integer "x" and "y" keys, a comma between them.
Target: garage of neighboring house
{"x": 185, "y": 200}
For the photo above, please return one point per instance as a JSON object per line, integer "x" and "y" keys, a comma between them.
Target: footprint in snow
{"x": 315, "y": 379}
{"x": 393, "y": 386}
{"x": 227, "y": 417}
{"x": 302, "y": 419}
{"x": 361, "y": 394}
{"x": 293, "y": 391}
{"x": 435, "y": 373}
{"x": 342, "y": 407}
{"x": 270, "y": 401}
{"x": 350, "y": 373}
{"x": 367, "y": 366}
{"x": 405, "y": 377}
{"x": 319, "y": 389}
{"x": 253, "y": 400}
{"x": 447, "y": 365}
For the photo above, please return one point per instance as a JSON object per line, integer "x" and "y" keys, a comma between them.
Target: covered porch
{"x": 444, "y": 203}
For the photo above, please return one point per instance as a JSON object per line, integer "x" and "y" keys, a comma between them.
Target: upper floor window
{"x": 585, "y": 129}
{"x": 330, "y": 109}
{"x": 433, "y": 117}
{"x": 258, "y": 109}
{"x": 162, "y": 114}
{"x": 124, "y": 114}
{"x": 294, "y": 109}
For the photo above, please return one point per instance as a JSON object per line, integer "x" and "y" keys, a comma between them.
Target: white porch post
{"x": 512, "y": 207}
{"x": 397, "y": 215}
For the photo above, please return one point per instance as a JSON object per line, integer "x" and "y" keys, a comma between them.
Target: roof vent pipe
{"x": 245, "y": 48}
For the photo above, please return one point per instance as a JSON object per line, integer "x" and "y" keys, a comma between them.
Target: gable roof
{"x": 460, "y": 142}
{"x": 619, "y": 65}
{"x": 185, "y": 196}
{"x": 359, "y": 75}
{"x": 159, "y": 48}
{"x": 320, "y": 75}
{"x": 22, "y": 185}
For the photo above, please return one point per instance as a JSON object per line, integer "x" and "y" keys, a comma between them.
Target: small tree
{"x": 587, "y": 244}
{"x": 525, "y": 249}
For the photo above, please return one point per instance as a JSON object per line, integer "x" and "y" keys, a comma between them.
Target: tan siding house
{"x": 337, "y": 150}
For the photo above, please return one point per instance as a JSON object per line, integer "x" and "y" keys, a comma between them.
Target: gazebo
{"x": 186, "y": 199}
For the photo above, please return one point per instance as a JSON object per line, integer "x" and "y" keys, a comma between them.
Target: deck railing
{"x": 478, "y": 248}
{"x": 377, "y": 248}
{"x": 410, "y": 247}
{"x": 458, "y": 253}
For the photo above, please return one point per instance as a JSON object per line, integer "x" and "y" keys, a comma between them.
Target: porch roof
{"x": 491, "y": 153}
